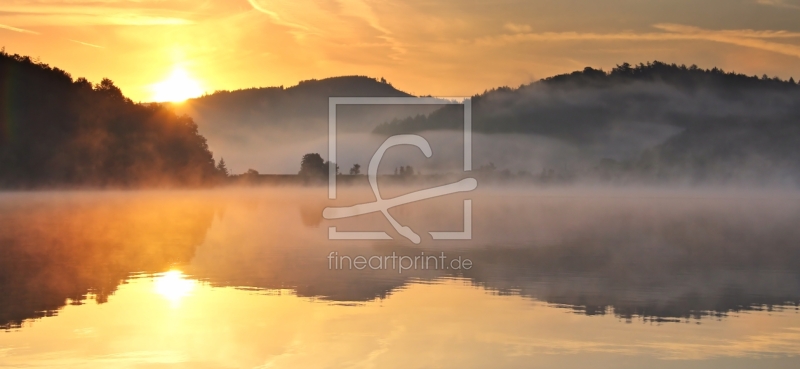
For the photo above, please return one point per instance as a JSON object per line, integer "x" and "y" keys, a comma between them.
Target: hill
{"x": 703, "y": 123}
{"x": 301, "y": 107}
{"x": 57, "y": 131}
{"x": 262, "y": 128}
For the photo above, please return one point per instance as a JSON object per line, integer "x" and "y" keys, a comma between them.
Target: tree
{"x": 327, "y": 166}
{"x": 312, "y": 165}
{"x": 222, "y": 168}
{"x": 625, "y": 68}
{"x": 355, "y": 170}
{"x": 251, "y": 172}
{"x": 106, "y": 86}
{"x": 69, "y": 132}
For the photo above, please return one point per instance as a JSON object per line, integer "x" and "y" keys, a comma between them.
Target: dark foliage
{"x": 312, "y": 165}
{"x": 56, "y": 131}
{"x": 729, "y": 125}
{"x": 578, "y": 106}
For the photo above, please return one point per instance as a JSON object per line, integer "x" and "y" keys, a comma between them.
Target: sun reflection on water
{"x": 173, "y": 286}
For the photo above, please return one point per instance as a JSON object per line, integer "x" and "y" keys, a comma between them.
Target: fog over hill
{"x": 651, "y": 122}
{"x": 269, "y": 128}
{"x": 654, "y": 121}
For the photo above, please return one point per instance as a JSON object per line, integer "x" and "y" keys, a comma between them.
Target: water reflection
{"x": 57, "y": 247}
{"x": 667, "y": 257}
{"x": 254, "y": 264}
{"x": 664, "y": 258}
{"x": 173, "y": 286}
{"x": 448, "y": 324}
{"x": 134, "y": 276}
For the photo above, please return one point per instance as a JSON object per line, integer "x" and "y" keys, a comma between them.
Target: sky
{"x": 441, "y": 48}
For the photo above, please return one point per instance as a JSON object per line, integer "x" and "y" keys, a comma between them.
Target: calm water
{"x": 243, "y": 279}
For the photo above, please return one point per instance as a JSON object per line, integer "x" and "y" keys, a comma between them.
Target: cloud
{"x": 91, "y": 13}
{"x": 335, "y": 22}
{"x": 779, "y": 3}
{"x": 747, "y": 38}
{"x": 362, "y": 10}
{"x": 281, "y": 20}
{"x": 517, "y": 28}
{"x": 742, "y": 33}
{"x": 301, "y": 14}
{"x": 87, "y": 44}
{"x": 15, "y": 29}
{"x": 756, "y": 39}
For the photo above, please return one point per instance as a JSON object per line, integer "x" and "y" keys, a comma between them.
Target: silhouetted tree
{"x": 355, "y": 170}
{"x": 327, "y": 166}
{"x": 404, "y": 170}
{"x": 222, "y": 168}
{"x": 59, "y": 131}
{"x": 312, "y": 165}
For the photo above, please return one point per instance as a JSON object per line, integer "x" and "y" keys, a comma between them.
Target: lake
{"x": 248, "y": 278}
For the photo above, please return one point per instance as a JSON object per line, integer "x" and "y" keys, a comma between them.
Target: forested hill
{"x": 581, "y": 105}
{"x": 723, "y": 125}
{"x": 56, "y": 131}
{"x": 300, "y": 96}
{"x": 302, "y": 106}
{"x": 266, "y": 128}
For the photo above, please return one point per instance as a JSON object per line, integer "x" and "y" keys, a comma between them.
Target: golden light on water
{"x": 173, "y": 286}
{"x": 178, "y": 87}
{"x": 237, "y": 318}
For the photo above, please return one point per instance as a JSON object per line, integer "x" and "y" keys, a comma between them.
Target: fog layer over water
{"x": 724, "y": 259}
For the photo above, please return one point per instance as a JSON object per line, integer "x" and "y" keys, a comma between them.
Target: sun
{"x": 178, "y": 87}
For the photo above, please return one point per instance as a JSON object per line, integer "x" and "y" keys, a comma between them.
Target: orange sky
{"x": 446, "y": 47}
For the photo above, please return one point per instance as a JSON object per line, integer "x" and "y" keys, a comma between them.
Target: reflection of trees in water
{"x": 669, "y": 264}
{"x": 681, "y": 266}
{"x": 65, "y": 247}
{"x": 648, "y": 285}
{"x": 686, "y": 262}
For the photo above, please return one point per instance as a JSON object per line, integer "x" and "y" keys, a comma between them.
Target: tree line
{"x": 59, "y": 131}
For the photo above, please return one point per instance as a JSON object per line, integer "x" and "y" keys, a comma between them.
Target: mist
{"x": 652, "y": 124}
{"x": 638, "y": 253}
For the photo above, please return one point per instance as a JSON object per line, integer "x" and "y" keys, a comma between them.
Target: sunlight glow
{"x": 178, "y": 87}
{"x": 173, "y": 286}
